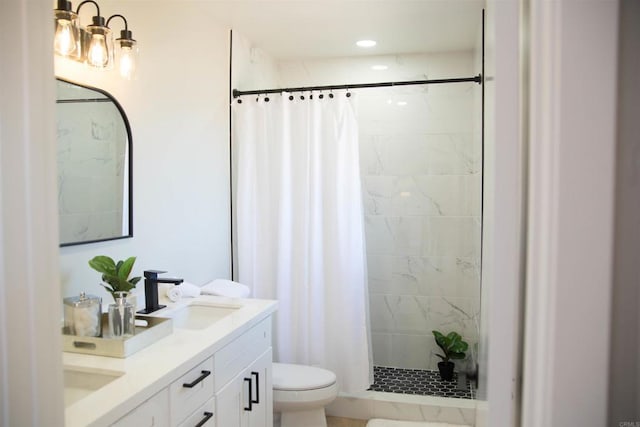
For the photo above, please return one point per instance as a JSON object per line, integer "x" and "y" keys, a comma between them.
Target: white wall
{"x": 178, "y": 110}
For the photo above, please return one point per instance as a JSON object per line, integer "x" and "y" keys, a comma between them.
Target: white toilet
{"x": 300, "y": 394}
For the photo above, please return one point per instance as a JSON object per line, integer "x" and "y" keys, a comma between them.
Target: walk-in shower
{"x": 421, "y": 161}
{"x": 421, "y": 172}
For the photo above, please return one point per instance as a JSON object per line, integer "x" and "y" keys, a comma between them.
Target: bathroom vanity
{"x": 213, "y": 370}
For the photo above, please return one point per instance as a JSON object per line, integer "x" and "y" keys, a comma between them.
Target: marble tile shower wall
{"x": 421, "y": 182}
{"x": 421, "y": 177}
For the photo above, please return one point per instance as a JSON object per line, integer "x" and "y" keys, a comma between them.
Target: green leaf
{"x": 452, "y": 345}
{"x": 103, "y": 264}
{"x": 135, "y": 280}
{"x": 125, "y": 267}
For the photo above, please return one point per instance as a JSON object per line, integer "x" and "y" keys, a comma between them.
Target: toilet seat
{"x": 288, "y": 377}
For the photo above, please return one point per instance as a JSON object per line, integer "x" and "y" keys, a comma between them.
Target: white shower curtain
{"x": 300, "y": 230}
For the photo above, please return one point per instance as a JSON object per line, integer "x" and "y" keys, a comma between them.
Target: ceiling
{"x": 329, "y": 28}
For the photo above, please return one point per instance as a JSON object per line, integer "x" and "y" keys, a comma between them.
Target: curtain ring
{"x": 239, "y": 101}
{"x": 290, "y": 97}
{"x": 321, "y": 95}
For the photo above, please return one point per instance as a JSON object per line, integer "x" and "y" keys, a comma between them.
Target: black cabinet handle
{"x": 203, "y": 421}
{"x": 257, "y": 375}
{"x": 204, "y": 375}
{"x": 250, "y": 407}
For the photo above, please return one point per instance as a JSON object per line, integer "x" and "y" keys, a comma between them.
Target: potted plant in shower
{"x": 453, "y": 347}
{"x": 115, "y": 276}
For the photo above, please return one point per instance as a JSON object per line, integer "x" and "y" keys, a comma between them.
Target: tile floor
{"x": 421, "y": 382}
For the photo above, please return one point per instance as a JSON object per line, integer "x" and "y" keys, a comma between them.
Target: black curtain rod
{"x": 475, "y": 79}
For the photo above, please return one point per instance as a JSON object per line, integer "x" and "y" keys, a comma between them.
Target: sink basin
{"x": 80, "y": 382}
{"x": 200, "y": 316}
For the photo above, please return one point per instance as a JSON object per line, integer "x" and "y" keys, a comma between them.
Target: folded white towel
{"x": 226, "y": 288}
{"x": 189, "y": 290}
{"x": 183, "y": 290}
{"x": 174, "y": 293}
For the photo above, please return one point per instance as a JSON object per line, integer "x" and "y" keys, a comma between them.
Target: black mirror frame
{"x": 129, "y": 165}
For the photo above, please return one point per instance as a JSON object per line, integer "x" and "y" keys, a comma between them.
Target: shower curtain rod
{"x": 475, "y": 79}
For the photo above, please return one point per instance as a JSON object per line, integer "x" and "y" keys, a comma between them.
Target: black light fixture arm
{"x": 125, "y": 34}
{"x": 98, "y": 20}
{"x": 126, "y": 25}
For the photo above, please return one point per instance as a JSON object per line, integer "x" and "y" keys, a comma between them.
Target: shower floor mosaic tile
{"x": 414, "y": 381}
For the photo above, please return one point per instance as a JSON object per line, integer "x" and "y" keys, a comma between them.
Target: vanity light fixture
{"x": 93, "y": 44}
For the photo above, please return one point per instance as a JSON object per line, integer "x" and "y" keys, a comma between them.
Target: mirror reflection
{"x": 94, "y": 166}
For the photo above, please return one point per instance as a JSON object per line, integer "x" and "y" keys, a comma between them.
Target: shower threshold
{"x": 419, "y": 382}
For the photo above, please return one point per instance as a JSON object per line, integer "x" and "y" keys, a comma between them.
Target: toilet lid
{"x": 300, "y": 377}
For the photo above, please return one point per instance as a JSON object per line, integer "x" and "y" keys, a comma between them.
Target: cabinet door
{"x": 247, "y": 400}
{"x": 229, "y": 403}
{"x": 259, "y": 393}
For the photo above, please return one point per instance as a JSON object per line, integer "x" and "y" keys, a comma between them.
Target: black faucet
{"x": 151, "y": 281}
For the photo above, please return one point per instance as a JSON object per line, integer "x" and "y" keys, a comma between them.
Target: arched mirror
{"x": 94, "y": 166}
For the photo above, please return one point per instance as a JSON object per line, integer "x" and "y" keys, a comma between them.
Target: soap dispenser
{"x": 83, "y": 315}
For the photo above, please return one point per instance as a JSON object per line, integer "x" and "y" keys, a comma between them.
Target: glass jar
{"x": 83, "y": 315}
{"x": 122, "y": 317}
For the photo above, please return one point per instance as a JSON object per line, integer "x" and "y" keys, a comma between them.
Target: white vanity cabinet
{"x": 230, "y": 388}
{"x": 187, "y": 401}
{"x": 211, "y": 374}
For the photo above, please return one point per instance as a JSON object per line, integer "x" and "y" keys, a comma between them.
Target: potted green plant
{"x": 453, "y": 347}
{"x": 115, "y": 276}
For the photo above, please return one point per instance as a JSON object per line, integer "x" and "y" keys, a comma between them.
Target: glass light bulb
{"x": 65, "y": 38}
{"x": 127, "y": 62}
{"x": 98, "y": 55}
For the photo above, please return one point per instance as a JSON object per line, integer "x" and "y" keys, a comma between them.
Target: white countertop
{"x": 152, "y": 368}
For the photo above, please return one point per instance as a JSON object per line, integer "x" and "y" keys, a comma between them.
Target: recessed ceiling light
{"x": 401, "y": 103}
{"x": 366, "y": 43}
{"x": 379, "y": 67}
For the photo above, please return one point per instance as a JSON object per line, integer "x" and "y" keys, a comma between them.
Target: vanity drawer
{"x": 191, "y": 391}
{"x": 202, "y": 417}
{"x": 154, "y": 412}
{"x": 239, "y": 353}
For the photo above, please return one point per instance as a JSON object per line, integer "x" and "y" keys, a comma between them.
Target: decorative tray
{"x": 155, "y": 329}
